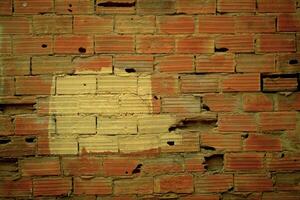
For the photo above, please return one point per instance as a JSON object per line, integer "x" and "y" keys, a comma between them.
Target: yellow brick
{"x": 116, "y": 126}
{"x": 59, "y": 145}
{"x": 98, "y": 104}
{"x": 145, "y": 85}
{"x": 76, "y": 85}
{"x": 117, "y": 84}
{"x": 131, "y": 103}
{"x": 60, "y": 104}
{"x": 137, "y": 143}
{"x": 98, "y": 144}
{"x": 179, "y": 142}
{"x": 155, "y": 123}
{"x": 73, "y": 125}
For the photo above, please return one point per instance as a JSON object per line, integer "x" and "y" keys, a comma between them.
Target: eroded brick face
{"x": 149, "y": 99}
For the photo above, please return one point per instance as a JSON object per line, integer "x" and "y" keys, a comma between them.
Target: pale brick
{"x": 117, "y": 84}
{"x": 130, "y": 144}
{"x": 74, "y": 125}
{"x": 98, "y": 144}
{"x": 76, "y": 85}
{"x": 117, "y": 125}
{"x": 148, "y": 124}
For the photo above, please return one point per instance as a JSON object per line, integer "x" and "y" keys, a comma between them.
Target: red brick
{"x": 241, "y": 83}
{"x": 174, "y": 183}
{"x": 92, "y": 25}
{"x": 175, "y": 63}
{"x": 196, "y": 6}
{"x": 28, "y": 85}
{"x": 81, "y": 166}
{"x": 276, "y": 43}
{"x": 273, "y": 6}
{"x": 216, "y": 24}
{"x": 141, "y": 63}
{"x": 280, "y": 195}
{"x": 103, "y": 8}
{"x": 165, "y": 85}
{"x": 252, "y": 183}
{"x": 201, "y": 197}
{"x": 93, "y": 64}
{"x": 185, "y": 142}
{"x": 6, "y": 7}
{"x": 96, "y": 186}
{"x": 33, "y": 6}
{"x": 244, "y": 162}
{"x": 284, "y": 121}
{"x": 235, "y": 6}
{"x": 114, "y": 44}
{"x": 237, "y": 122}
{"x": 280, "y": 84}
{"x": 74, "y": 44}
{"x": 134, "y": 186}
{"x": 298, "y": 42}
{"x": 6, "y": 45}
{"x": 176, "y": 25}
{"x": 252, "y": 63}
{"x": 222, "y": 142}
{"x": 262, "y": 143}
{"x": 194, "y": 163}
{"x": 213, "y": 183}
{"x": 43, "y": 24}
{"x": 287, "y": 181}
{"x": 235, "y": 43}
{"x": 282, "y": 161}
{"x": 52, "y": 186}
{"x": 220, "y": 102}
{"x": 119, "y": 166}
{"x": 16, "y": 188}
{"x": 215, "y": 63}
{"x": 239, "y": 196}
{"x": 289, "y": 103}
{"x": 155, "y": 44}
{"x": 155, "y": 7}
{"x": 11, "y": 66}
{"x": 183, "y": 104}
{"x": 48, "y": 166}
{"x": 32, "y": 125}
{"x": 255, "y": 24}
{"x": 6, "y": 126}
{"x": 135, "y": 24}
{"x": 74, "y": 6}
{"x": 257, "y": 102}
{"x": 288, "y": 23}
{"x": 7, "y": 87}
{"x": 199, "y": 83}
{"x": 195, "y": 45}
{"x": 21, "y": 25}
{"x": 288, "y": 63}
{"x": 17, "y": 147}
{"x": 37, "y": 45}
{"x": 162, "y": 166}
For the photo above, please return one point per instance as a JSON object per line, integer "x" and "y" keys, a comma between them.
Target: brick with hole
{"x": 82, "y": 166}
{"x": 141, "y": 185}
{"x": 282, "y": 162}
{"x": 253, "y": 182}
{"x": 43, "y": 24}
{"x": 114, "y": 44}
{"x": 98, "y": 186}
{"x": 32, "y": 45}
{"x": 33, "y": 7}
{"x": 92, "y": 24}
{"x": 133, "y": 63}
{"x": 115, "y": 7}
{"x": 55, "y": 186}
{"x": 276, "y": 6}
{"x": 74, "y": 44}
{"x": 241, "y": 43}
{"x": 21, "y": 25}
{"x": 16, "y": 188}
{"x": 40, "y": 166}
{"x": 236, "y": 6}
{"x": 200, "y": 44}
{"x": 76, "y": 85}
{"x": 288, "y": 63}
{"x": 221, "y": 142}
{"x": 176, "y": 25}
{"x": 256, "y": 142}
{"x": 213, "y": 183}
{"x": 255, "y": 102}
{"x": 289, "y": 103}
{"x": 182, "y": 183}
{"x": 121, "y": 166}
{"x": 155, "y": 44}
{"x": 196, "y": 6}
{"x": 74, "y": 7}
{"x": 275, "y": 43}
{"x": 220, "y": 102}
{"x": 135, "y": 24}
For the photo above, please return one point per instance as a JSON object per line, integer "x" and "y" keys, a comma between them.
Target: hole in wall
{"x": 293, "y": 62}
{"x": 223, "y": 49}
{"x": 205, "y": 107}
{"x": 137, "y": 169}
{"x": 5, "y": 140}
{"x": 208, "y": 148}
{"x": 116, "y": 4}
{"x": 214, "y": 162}
{"x": 30, "y": 139}
{"x": 130, "y": 70}
{"x": 171, "y": 143}
{"x": 82, "y": 50}
{"x": 44, "y": 45}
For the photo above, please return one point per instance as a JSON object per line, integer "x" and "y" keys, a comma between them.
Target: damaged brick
{"x": 223, "y": 49}
{"x": 193, "y": 123}
{"x": 293, "y": 62}
{"x": 116, "y": 4}
{"x": 82, "y": 50}
{"x": 137, "y": 169}
{"x": 214, "y": 162}
{"x": 130, "y": 70}
{"x": 5, "y": 140}
{"x": 30, "y": 139}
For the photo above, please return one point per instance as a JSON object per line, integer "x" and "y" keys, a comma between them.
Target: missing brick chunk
{"x": 171, "y": 143}
{"x": 44, "y": 45}
{"x": 30, "y": 139}
{"x": 194, "y": 123}
{"x": 223, "y": 49}
{"x": 293, "y": 62}
{"x": 130, "y": 70}
{"x": 82, "y": 50}
{"x": 5, "y": 140}
{"x": 205, "y": 107}
{"x": 116, "y": 4}
{"x": 207, "y": 148}
{"x": 137, "y": 169}
{"x": 214, "y": 162}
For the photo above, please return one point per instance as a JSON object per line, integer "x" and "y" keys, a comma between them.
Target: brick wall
{"x": 150, "y": 99}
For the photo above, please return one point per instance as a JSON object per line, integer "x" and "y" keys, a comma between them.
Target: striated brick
{"x": 183, "y": 142}
{"x": 117, "y": 125}
{"x": 183, "y": 104}
{"x": 241, "y": 82}
{"x": 28, "y": 85}
{"x": 236, "y": 6}
{"x": 57, "y": 146}
{"x": 284, "y": 121}
{"x": 114, "y": 44}
{"x": 199, "y": 83}
{"x": 201, "y": 197}
{"x": 262, "y": 143}
{"x": 196, "y": 6}
{"x": 7, "y": 86}
{"x": 92, "y": 65}
{"x": 273, "y": 6}
{"x": 288, "y": 23}
{"x": 252, "y": 63}
{"x": 244, "y": 162}
{"x": 194, "y": 163}
{"x": 213, "y": 183}
{"x": 253, "y": 183}
{"x": 21, "y": 25}
{"x": 280, "y": 195}
{"x": 14, "y": 66}
{"x": 164, "y": 85}
{"x": 74, "y": 44}
{"x": 155, "y": 7}
{"x": 43, "y": 24}
{"x": 74, "y": 6}
{"x": 288, "y": 63}
{"x": 282, "y": 161}
{"x": 138, "y": 143}
{"x": 140, "y": 63}
{"x": 176, "y": 25}
{"x": 6, "y": 7}
{"x": 174, "y": 183}
{"x": 98, "y": 144}
{"x": 134, "y": 186}
{"x": 162, "y": 166}
{"x": 120, "y": 7}
{"x": 175, "y": 63}
{"x": 16, "y": 188}
{"x": 51, "y": 65}
{"x": 237, "y": 122}
{"x": 220, "y": 102}
{"x": 33, "y": 6}
{"x": 257, "y": 102}
{"x": 120, "y": 166}
{"x": 117, "y": 84}
{"x": 95, "y": 186}
{"x": 36, "y": 45}
{"x": 17, "y": 146}
{"x": 81, "y": 166}
{"x": 234, "y": 43}
{"x": 287, "y": 181}
{"x": 255, "y": 24}
{"x": 135, "y": 24}
{"x": 33, "y": 125}
{"x": 276, "y": 43}
{"x": 148, "y": 124}
{"x": 6, "y": 126}
{"x": 215, "y": 63}
{"x": 195, "y": 45}
{"x": 40, "y": 166}
{"x": 51, "y": 186}
{"x": 216, "y": 24}
{"x": 287, "y": 103}
{"x": 76, "y": 85}
{"x": 6, "y": 45}
{"x": 222, "y": 142}
{"x": 92, "y": 25}
{"x": 155, "y": 44}
{"x": 280, "y": 84}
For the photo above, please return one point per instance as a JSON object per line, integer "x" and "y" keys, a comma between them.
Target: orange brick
{"x": 119, "y": 166}
{"x": 235, "y": 6}
{"x": 93, "y": 64}
{"x": 255, "y": 63}
{"x": 95, "y": 186}
{"x": 134, "y": 186}
{"x": 222, "y": 142}
{"x": 262, "y": 143}
{"x": 40, "y": 166}
{"x": 155, "y": 7}
{"x": 237, "y": 122}
{"x": 201, "y": 197}
{"x": 155, "y": 44}
{"x": 215, "y": 63}
{"x": 216, "y": 24}
{"x": 74, "y": 6}
{"x": 118, "y": 7}
{"x": 81, "y": 166}
{"x": 37, "y": 45}
{"x": 174, "y": 183}
{"x": 92, "y": 25}
{"x": 288, "y": 23}
{"x": 32, "y": 125}
{"x": 6, "y": 7}
{"x": 114, "y": 44}
{"x": 43, "y": 24}
{"x": 52, "y": 186}
{"x": 196, "y": 6}
{"x": 135, "y": 24}
{"x": 16, "y": 188}
{"x": 175, "y": 63}
{"x": 28, "y": 85}
{"x": 244, "y": 162}
{"x": 288, "y": 63}
{"x": 162, "y": 165}
{"x": 273, "y": 6}
{"x": 74, "y": 44}
{"x": 253, "y": 182}
{"x": 7, "y": 87}
{"x": 235, "y": 43}
{"x": 165, "y": 85}
{"x": 213, "y": 183}
{"x": 140, "y": 63}
{"x": 195, "y": 45}
{"x": 291, "y": 102}
{"x": 6, "y": 44}
{"x": 280, "y": 195}
{"x": 194, "y": 163}
{"x": 241, "y": 82}
{"x": 284, "y": 121}
{"x": 33, "y": 6}
{"x": 18, "y": 146}
{"x": 199, "y": 83}
{"x": 257, "y": 102}
{"x": 255, "y": 24}
{"x": 15, "y": 25}
{"x": 176, "y": 25}
{"x": 276, "y": 43}
{"x": 280, "y": 84}
{"x": 6, "y": 126}
{"x": 220, "y": 102}
{"x": 282, "y": 161}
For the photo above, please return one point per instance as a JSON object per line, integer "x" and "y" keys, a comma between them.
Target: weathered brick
{"x": 114, "y": 44}
{"x": 196, "y": 6}
{"x": 98, "y": 144}
{"x": 288, "y": 63}
{"x": 6, "y": 7}
{"x": 199, "y": 44}
{"x": 244, "y": 162}
{"x": 6, "y": 126}
{"x": 27, "y": 85}
{"x": 81, "y": 166}
{"x": 291, "y": 102}
{"x": 234, "y": 43}
{"x": 241, "y": 82}
{"x": 140, "y": 63}
{"x": 216, "y": 24}
{"x": 134, "y": 186}
{"x": 76, "y": 85}
{"x": 51, "y": 186}
{"x": 237, "y": 122}
{"x": 16, "y": 188}
{"x": 255, "y": 24}
{"x": 257, "y": 102}
{"x": 74, "y": 6}
{"x": 225, "y": 6}
{"x": 40, "y": 166}
{"x": 174, "y": 183}
{"x": 164, "y": 85}
{"x": 155, "y": 44}
{"x": 33, "y": 125}
{"x": 33, "y": 6}
{"x": 215, "y": 63}
{"x": 138, "y": 143}
{"x": 287, "y": 181}
{"x": 262, "y": 143}
{"x": 120, "y": 166}
{"x": 213, "y": 183}
{"x": 155, "y": 123}
{"x": 43, "y": 24}
{"x": 280, "y": 84}
{"x": 117, "y": 84}
{"x": 21, "y": 25}
{"x": 135, "y": 24}
{"x": 92, "y": 25}
{"x": 220, "y": 102}
{"x": 199, "y": 83}
{"x": 284, "y": 121}
{"x": 162, "y": 165}
{"x": 222, "y": 142}
{"x": 7, "y": 87}
{"x": 6, "y": 45}
{"x": 11, "y": 66}
{"x": 251, "y": 63}
{"x": 176, "y": 25}
{"x": 51, "y": 65}
{"x": 155, "y": 7}
{"x": 183, "y": 104}
{"x": 37, "y": 45}
{"x": 276, "y": 43}
{"x": 123, "y": 7}
{"x": 117, "y": 125}
{"x": 288, "y": 23}
{"x": 194, "y": 163}
{"x": 98, "y": 186}
{"x": 57, "y": 146}
{"x": 273, "y": 6}
{"x": 282, "y": 161}
{"x": 74, "y": 44}
{"x": 280, "y": 195}
{"x": 253, "y": 182}
{"x": 93, "y": 65}
{"x": 239, "y": 195}
{"x": 75, "y": 125}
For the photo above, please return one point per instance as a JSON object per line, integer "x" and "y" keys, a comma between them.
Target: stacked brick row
{"x": 150, "y": 99}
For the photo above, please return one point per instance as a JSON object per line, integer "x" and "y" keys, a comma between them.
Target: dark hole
{"x": 82, "y": 50}
{"x": 70, "y": 10}
{"x": 223, "y": 49}
{"x": 171, "y": 143}
{"x": 209, "y": 148}
{"x": 116, "y": 4}
{"x": 84, "y": 84}
{"x": 130, "y": 70}
{"x": 5, "y": 140}
{"x": 214, "y": 162}
{"x": 172, "y": 128}
{"x": 137, "y": 169}
{"x": 155, "y": 97}
{"x": 44, "y": 45}
{"x": 282, "y": 155}
{"x": 30, "y": 139}
{"x": 293, "y": 62}
{"x": 70, "y": 5}
{"x": 126, "y": 172}
{"x": 245, "y": 135}
{"x": 205, "y": 107}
